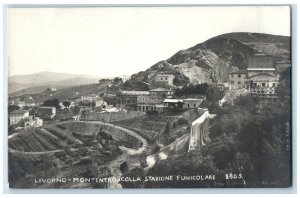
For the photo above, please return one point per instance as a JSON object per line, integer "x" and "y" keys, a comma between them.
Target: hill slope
{"x": 210, "y": 61}
{"x": 44, "y": 79}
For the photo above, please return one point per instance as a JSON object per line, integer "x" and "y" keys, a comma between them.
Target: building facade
{"x": 166, "y": 79}
{"x": 128, "y": 99}
{"x": 32, "y": 121}
{"x": 153, "y": 100}
{"x": 237, "y": 79}
{"x": 192, "y": 103}
{"x": 17, "y": 116}
{"x": 262, "y": 75}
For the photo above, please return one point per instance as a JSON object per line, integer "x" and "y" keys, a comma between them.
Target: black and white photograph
{"x": 137, "y": 97}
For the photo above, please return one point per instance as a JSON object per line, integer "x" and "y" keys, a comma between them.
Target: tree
{"x": 214, "y": 94}
{"x": 118, "y": 80}
{"x": 12, "y": 108}
{"x": 66, "y": 103}
{"x": 52, "y": 103}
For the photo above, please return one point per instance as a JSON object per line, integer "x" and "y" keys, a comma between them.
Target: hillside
{"x": 66, "y": 93}
{"x": 47, "y": 79}
{"x": 210, "y": 61}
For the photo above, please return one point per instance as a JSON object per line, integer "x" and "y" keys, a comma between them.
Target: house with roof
{"x": 237, "y": 79}
{"x": 262, "y": 76}
{"x": 173, "y": 103}
{"x": 165, "y": 79}
{"x": 32, "y": 121}
{"x": 128, "y": 99}
{"x": 192, "y": 103}
{"x": 18, "y": 115}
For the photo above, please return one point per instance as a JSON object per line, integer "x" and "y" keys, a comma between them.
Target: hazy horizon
{"x": 110, "y": 42}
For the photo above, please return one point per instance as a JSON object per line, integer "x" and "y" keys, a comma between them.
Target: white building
{"x": 91, "y": 97}
{"x": 17, "y": 116}
{"x": 32, "y": 121}
{"x": 166, "y": 79}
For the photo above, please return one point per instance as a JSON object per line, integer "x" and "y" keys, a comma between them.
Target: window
{"x": 161, "y": 78}
{"x": 166, "y": 78}
{"x": 194, "y": 105}
{"x": 239, "y": 82}
{"x": 188, "y": 105}
{"x": 274, "y": 84}
{"x": 263, "y": 84}
{"x": 239, "y": 75}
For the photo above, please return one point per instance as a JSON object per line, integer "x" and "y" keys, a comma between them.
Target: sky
{"x": 109, "y": 42}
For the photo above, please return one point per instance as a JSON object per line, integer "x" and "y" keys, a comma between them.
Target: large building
{"x": 260, "y": 78}
{"x": 128, "y": 99}
{"x": 262, "y": 75}
{"x": 153, "y": 99}
{"x": 237, "y": 79}
{"x": 165, "y": 79}
{"x": 17, "y": 116}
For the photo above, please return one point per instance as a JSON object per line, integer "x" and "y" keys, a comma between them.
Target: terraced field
{"x": 68, "y": 149}
{"x": 147, "y": 129}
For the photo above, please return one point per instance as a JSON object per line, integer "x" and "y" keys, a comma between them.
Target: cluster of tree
{"x": 212, "y": 93}
{"x": 199, "y": 89}
{"x": 52, "y": 103}
{"x": 87, "y": 103}
{"x": 134, "y": 84}
{"x": 104, "y": 80}
{"x": 12, "y": 108}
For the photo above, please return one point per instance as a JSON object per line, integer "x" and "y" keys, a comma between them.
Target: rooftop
{"x": 173, "y": 100}
{"x": 260, "y": 69}
{"x": 193, "y": 99}
{"x": 46, "y": 107}
{"x": 165, "y": 75}
{"x": 135, "y": 92}
{"x": 238, "y": 72}
{"x": 160, "y": 89}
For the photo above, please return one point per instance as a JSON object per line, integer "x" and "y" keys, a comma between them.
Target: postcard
{"x": 149, "y": 97}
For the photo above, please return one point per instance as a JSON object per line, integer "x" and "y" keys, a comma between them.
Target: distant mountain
{"x": 212, "y": 60}
{"x": 35, "y": 82}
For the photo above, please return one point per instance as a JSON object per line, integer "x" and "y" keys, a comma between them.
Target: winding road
{"x": 114, "y": 165}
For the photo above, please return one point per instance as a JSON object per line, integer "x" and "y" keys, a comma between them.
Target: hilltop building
{"x": 165, "y": 79}
{"x": 260, "y": 78}
{"x": 237, "y": 79}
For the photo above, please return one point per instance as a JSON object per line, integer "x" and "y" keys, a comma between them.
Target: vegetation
{"x": 66, "y": 103}
{"x": 52, "y": 103}
{"x": 12, "y": 108}
{"x": 136, "y": 85}
{"x": 250, "y": 139}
